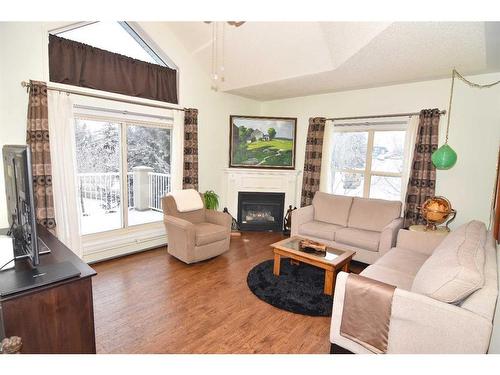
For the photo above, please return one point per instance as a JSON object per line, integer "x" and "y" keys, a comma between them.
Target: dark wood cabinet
{"x": 55, "y": 318}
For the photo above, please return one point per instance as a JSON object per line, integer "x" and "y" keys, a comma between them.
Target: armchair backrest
{"x": 170, "y": 208}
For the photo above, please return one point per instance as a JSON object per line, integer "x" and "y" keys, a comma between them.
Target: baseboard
{"x": 336, "y": 349}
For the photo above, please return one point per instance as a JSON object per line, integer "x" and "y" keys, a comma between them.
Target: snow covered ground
{"x": 98, "y": 220}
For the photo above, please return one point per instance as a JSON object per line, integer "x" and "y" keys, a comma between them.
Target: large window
{"x": 123, "y": 170}
{"x": 368, "y": 161}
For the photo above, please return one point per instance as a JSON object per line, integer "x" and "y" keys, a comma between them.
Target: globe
{"x": 437, "y": 210}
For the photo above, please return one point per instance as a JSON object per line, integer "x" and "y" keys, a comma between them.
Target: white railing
{"x": 159, "y": 186}
{"x": 101, "y": 191}
{"x": 101, "y": 187}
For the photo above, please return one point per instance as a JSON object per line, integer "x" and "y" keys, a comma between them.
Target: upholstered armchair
{"x": 197, "y": 234}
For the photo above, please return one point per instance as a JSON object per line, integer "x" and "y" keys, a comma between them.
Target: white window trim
{"x": 130, "y": 239}
{"x": 369, "y": 126}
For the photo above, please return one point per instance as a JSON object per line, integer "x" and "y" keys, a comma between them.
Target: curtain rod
{"x": 442, "y": 112}
{"x": 97, "y": 96}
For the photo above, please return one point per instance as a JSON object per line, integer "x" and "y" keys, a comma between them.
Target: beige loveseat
{"x": 445, "y": 296}
{"x": 367, "y": 226}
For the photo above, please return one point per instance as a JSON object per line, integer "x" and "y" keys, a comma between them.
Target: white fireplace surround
{"x": 260, "y": 180}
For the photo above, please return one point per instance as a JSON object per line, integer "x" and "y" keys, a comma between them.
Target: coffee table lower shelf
{"x": 330, "y": 269}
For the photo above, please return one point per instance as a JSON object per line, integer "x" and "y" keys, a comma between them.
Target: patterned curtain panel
{"x": 312, "y": 162}
{"x": 37, "y": 138}
{"x": 422, "y": 182}
{"x": 190, "y": 175}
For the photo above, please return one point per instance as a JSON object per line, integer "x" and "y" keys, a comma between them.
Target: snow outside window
{"x": 368, "y": 160}
{"x": 123, "y": 171}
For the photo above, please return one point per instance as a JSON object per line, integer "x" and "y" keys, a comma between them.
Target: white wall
{"x": 475, "y": 128}
{"x": 474, "y": 134}
{"x": 24, "y": 57}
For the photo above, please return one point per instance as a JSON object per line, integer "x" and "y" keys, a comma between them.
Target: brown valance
{"x": 78, "y": 64}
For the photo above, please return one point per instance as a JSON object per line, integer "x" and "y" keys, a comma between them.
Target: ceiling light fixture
{"x": 218, "y": 51}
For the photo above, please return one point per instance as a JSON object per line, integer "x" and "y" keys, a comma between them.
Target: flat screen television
{"x": 21, "y": 201}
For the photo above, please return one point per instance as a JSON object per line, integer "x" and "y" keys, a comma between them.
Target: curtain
{"x": 422, "y": 181}
{"x": 61, "y": 127}
{"x": 190, "y": 173}
{"x": 37, "y": 138}
{"x": 78, "y": 64}
{"x": 312, "y": 161}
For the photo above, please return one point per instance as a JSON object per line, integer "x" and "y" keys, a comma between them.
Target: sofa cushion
{"x": 364, "y": 239}
{"x": 389, "y": 276}
{"x": 319, "y": 229}
{"x": 207, "y": 233}
{"x": 333, "y": 209}
{"x": 373, "y": 214}
{"x": 402, "y": 260}
{"x": 456, "y": 268}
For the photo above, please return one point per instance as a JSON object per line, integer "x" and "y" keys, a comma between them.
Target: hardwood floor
{"x": 152, "y": 303}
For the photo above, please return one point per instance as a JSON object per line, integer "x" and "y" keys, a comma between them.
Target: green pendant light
{"x": 445, "y": 157}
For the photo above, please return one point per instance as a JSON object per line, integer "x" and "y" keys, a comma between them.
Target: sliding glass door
{"x": 123, "y": 171}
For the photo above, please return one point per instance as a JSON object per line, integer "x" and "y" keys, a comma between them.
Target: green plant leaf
{"x": 211, "y": 200}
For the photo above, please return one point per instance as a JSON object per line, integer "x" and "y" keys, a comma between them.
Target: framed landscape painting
{"x": 262, "y": 142}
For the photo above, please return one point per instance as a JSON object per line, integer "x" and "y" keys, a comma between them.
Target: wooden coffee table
{"x": 331, "y": 262}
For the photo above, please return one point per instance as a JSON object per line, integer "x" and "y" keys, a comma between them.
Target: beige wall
{"x": 24, "y": 57}
{"x": 474, "y": 134}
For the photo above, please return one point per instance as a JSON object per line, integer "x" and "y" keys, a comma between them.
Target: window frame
{"x": 135, "y": 31}
{"x": 371, "y": 127}
{"x": 123, "y": 122}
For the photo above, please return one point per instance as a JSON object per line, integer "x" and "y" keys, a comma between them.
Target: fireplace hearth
{"x": 259, "y": 211}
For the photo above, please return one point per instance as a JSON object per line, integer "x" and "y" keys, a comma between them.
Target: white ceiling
{"x": 273, "y": 60}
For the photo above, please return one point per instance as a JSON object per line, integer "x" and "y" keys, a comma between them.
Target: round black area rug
{"x": 298, "y": 288}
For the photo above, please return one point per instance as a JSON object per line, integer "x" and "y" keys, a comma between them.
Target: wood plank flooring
{"x": 152, "y": 303}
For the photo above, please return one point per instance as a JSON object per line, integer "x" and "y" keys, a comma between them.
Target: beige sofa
{"x": 445, "y": 296}
{"x": 367, "y": 226}
{"x": 195, "y": 235}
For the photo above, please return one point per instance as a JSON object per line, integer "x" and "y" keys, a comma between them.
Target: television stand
{"x": 16, "y": 282}
{"x": 55, "y": 317}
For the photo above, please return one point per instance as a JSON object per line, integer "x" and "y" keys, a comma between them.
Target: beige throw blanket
{"x": 367, "y": 312}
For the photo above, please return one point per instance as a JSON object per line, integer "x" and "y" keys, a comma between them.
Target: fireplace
{"x": 260, "y": 211}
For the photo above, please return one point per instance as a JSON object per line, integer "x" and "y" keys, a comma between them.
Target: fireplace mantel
{"x": 263, "y": 180}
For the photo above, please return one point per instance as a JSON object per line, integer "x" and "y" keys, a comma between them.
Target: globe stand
{"x": 431, "y": 226}
{"x": 437, "y": 210}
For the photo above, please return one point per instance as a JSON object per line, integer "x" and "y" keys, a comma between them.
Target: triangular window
{"x": 117, "y": 37}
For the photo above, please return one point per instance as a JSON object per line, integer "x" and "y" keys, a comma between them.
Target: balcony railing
{"x": 104, "y": 189}
{"x": 159, "y": 186}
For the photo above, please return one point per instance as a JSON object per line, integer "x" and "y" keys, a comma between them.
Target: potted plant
{"x": 211, "y": 200}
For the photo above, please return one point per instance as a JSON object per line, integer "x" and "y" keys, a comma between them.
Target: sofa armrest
{"x": 219, "y": 218}
{"x": 178, "y": 223}
{"x": 389, "y": 235}
{"x": 419, "y": 324}
{"x": 181, "y": 238}
{"x": 420, "y": 242}
{"x": 300, "y": 216}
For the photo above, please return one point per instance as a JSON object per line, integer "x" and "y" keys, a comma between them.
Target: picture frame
{"x": 262, "y": 142}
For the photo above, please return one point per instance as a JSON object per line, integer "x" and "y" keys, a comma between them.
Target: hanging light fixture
{"x": 445, "y": 157}
{"x": 218, "y": 68}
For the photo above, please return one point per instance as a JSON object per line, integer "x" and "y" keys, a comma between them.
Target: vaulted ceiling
{"x": 273, "y": 60}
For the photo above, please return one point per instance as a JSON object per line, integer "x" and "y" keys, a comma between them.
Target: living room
{"x": 339, "y": 196}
